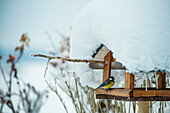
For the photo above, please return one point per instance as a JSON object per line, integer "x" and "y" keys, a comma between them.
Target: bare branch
{"x": 3, "y": 75}
{"x": 68, "y": 59}
{"x": 46, "y": 67}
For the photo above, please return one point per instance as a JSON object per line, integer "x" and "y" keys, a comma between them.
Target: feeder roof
{"x": 137, "y": 32}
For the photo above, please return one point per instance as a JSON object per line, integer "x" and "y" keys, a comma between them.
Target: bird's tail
{"x": 96, "y": 88}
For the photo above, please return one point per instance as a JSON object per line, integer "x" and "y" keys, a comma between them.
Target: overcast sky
{"x": 35, "y": 17}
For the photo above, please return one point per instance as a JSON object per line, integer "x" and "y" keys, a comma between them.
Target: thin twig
{"x": 46, "y": 68}
{"x": 107, "y": 106}
{"x": 77, "y": 93}
{"x": 72, "y": 97}
{"x": 3, "y": 75}
{"x": 101, "y": 110}
{"x": 68, "y": 59}
{"x": 57, "y": 95}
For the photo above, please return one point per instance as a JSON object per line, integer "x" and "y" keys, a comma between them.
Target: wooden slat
{"x": 107, "y": 66}
{"x": 100, "y": 96}
{"x": 115, "y": 92}
{"x": 114, "y": 65}
{"x": 149, "y": 93}
{"x": 129, "y": 80}
{"x": 161, "y": 80}
{"x": 137, "y": 92}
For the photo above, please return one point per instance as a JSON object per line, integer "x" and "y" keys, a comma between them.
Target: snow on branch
{"x": 68, "y": 59}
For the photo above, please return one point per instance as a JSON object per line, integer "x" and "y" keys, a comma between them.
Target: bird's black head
{"x": 112, "y": 79}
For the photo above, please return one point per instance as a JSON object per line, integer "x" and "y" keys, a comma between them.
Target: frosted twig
{"x": 46, "y": 67}
{"x": 3, "y": 74}
{"x": 68, "y": 59}
{"x": 100, "y": 107}
{"x": 107, "y": 106}
{"x": 57, "y": 95}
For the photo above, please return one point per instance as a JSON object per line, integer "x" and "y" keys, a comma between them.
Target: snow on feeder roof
{"x": 137, "y": 32}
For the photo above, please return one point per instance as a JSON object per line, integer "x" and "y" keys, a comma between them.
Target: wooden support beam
{"x": 116, "y": 92}
{"x": 136, "y": 94}
{"x": 107, "y": 66}
{"x": 129, "y": 80}
{"x": 114, "y": 65}
{"x": 157, "y": 98}
{"x": 161, "y": 80}
{"x": 150, "y": 93}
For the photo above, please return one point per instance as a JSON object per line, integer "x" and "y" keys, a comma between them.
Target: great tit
{"x": 107, "y": 84}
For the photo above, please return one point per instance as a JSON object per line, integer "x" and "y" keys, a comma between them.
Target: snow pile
{"x": 137, "y": 32}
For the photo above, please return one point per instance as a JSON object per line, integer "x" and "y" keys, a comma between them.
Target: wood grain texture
{"x": 115, "y": 92}
{"x": 161, "y": 80}
{"x": 107, "y": 66}
{"x": 114, "y": 65}
{"x": 157, "y": 98}
{"x": 129, "y": 80}
{"x": 149, "y": 93}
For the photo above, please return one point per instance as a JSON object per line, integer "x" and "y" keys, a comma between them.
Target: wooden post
{"x": 143, "y": 107}
{"x": 161, "y": 80}
{"x": 107, "y": 66}
{"x": 129, "y": 80}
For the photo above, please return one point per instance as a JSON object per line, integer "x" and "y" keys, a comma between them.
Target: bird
{"x": 107, "y": 84}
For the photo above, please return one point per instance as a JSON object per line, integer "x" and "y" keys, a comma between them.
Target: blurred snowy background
{"x": 46, "y": 23}
{"x": 36, "y": 18}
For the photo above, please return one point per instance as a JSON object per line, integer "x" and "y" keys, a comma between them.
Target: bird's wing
{"x": 106, "y": 82}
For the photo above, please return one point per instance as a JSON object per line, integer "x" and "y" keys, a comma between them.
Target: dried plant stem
{"x": 101, "y": 110}
{"x": 68, "y": 59}
{"x": 77, "y": 93}
{"x": 46, "y": 68}
{"x": 113, "y": 109}
{"x": 107, "y": 106}
{"x": 124, "y": 107}
{"x": 129, "y": 106}
{"x": 121, "y": 106}
{"x": 116, "y": 106}
{"x": 57, "y": 95}
{"x": 72, "y": 97}
{"x": 3, "y": 74}
{"x": 134, "y": 106}
{"x": 91, "y": 99}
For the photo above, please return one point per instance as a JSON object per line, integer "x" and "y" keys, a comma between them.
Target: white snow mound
{"x": 136, "y": 31}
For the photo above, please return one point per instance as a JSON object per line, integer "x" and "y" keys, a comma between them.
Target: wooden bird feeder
{"x": 128, "y": 93}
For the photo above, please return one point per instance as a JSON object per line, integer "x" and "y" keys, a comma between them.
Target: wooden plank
{"x": 137, "y": 92}
{"x": 150, "y": 88}
{"x": 115, "y": 92}
{"x": 143, "y": 107}
{"x": 114, "y": 65}
{"x": 149, "y": 93}
{"x": 107, "y": 66}
{"x": 161, "y": 80}
{"x": 157, "y": 98}
{"x": 129, "y": 80}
